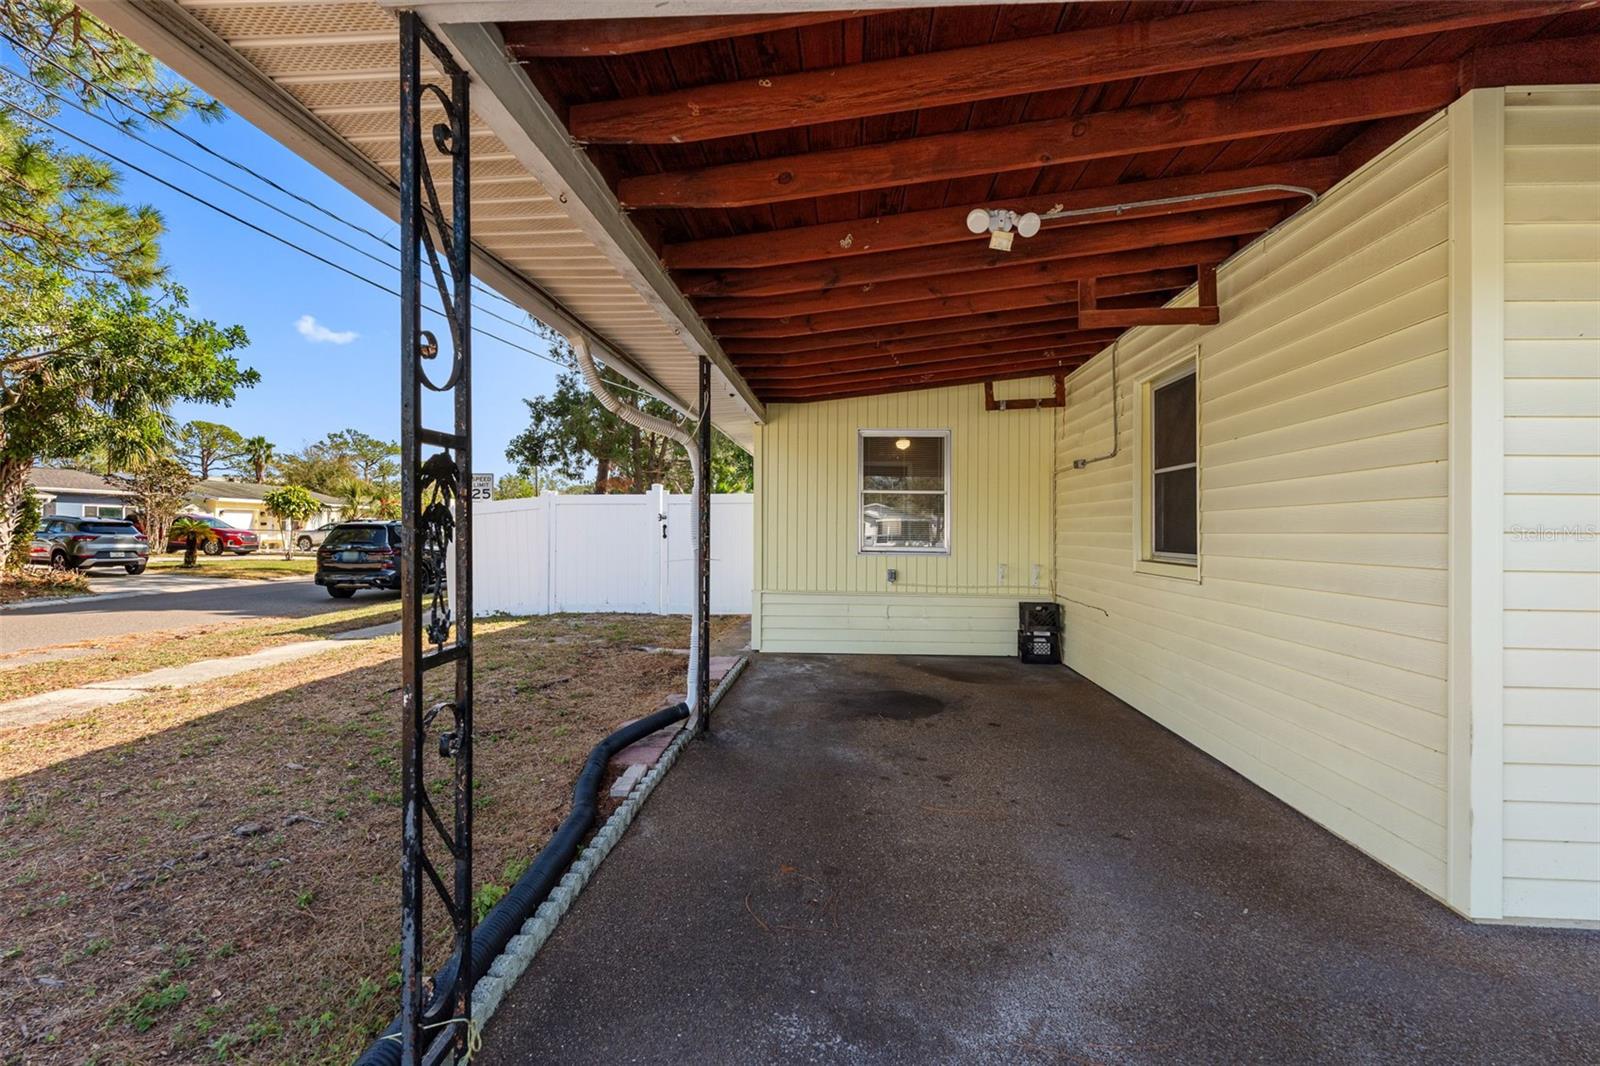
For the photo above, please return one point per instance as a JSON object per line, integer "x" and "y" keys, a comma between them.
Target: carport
{"x": 931, "y": 859}
{"x": 1260, "y": 339}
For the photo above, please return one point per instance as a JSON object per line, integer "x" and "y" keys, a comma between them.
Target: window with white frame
{"x": 1172, "y": 469}
{"x": 904, "y": 498}
{"x": 104, "y": 510}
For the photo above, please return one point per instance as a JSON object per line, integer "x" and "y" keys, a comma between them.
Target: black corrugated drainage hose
{"x": 490, "y": 936}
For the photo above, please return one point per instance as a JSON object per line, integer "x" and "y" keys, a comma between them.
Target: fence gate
{"x": 437, "y": 520}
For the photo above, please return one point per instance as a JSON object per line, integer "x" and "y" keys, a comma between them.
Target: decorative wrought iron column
{"x": 702, "y": 555}
{"x": 436, "y": 512}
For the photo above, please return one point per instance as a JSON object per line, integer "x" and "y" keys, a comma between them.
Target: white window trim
{"x": 861, "y": 491}
{"x": 1145, "y": 559}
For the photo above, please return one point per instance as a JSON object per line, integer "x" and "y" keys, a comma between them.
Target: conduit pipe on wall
{"x": 672, "y": 431}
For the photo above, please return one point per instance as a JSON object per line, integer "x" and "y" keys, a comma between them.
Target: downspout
{"x": 672, "y": 431}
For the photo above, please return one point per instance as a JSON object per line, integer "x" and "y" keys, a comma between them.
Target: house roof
{"x": 788, "y": 191}
{"x": 62, "y": 479}
{"x": 251, "y": 491}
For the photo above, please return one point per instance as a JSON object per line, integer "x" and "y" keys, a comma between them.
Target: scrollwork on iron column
{"x": 436, "y": 549}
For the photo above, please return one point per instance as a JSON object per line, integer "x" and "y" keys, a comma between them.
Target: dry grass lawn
{"x": 212, "y": 875}
{"x": 37, "y": 583}
{"x": 114, "y": 657}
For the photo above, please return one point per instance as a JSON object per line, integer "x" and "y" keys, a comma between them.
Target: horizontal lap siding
{"x": 816, "y": 592}
{"x": 1311, "y": 655}
{"x": 1552, "y": 505}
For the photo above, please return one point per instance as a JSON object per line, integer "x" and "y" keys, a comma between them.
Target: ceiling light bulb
{"x": 903, "y": 443}
{"x": 1028, "y": 224}
{"x": 978, "y": 220}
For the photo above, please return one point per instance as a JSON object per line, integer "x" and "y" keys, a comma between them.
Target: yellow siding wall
{"x": 1310, "y": 655}
{"x": 816, "y": 592}
{"x": 1552, "y": 504}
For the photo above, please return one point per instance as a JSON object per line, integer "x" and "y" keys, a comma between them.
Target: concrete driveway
{"x": 882, "y": 860}
{"x": 191, "y": 602}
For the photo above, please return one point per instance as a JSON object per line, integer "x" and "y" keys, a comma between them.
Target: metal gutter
{"x": 182, "y": 42}
{"x": 514, "y": 109}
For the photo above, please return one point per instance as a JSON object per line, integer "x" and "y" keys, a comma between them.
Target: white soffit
{"x": 323, "y": 79}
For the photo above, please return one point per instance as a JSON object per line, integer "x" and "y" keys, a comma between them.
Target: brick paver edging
{"x": 520, "y": 949}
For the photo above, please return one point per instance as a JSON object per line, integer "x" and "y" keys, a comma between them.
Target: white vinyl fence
{"x": 554, "y": 553}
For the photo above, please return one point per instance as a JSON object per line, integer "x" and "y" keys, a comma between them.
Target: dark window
{"x": 358, "y": 537}
{"x": 104, "y": 527}
{"x": 1173, "y": 505}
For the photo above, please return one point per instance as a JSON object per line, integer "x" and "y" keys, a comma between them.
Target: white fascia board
{"x": 522, "y": 119}
{"x": 182, "y": 42}
{"x": 461, "y": 11}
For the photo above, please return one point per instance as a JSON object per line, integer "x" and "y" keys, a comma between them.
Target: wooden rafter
{"x": 1049, "y": 142}
{"x": 974, "y": 253}
{"x": 620, "y": 37}
{"x": 995, "y": 357}
{"x": 955, "y": 307}
{"x": 1045, "y": 334}
{"x": 995, "y": 327}
{"x": 916, "y": 229}
{"x": 1023, "y": 276}
{"x": 1014, "y": 68}
{"x": 895, "y": 381}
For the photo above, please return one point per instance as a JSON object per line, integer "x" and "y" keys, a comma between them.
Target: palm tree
{"x": 356, "y": 496}
{"x": 258, "y": 452}
{"x": 194, "y": 533}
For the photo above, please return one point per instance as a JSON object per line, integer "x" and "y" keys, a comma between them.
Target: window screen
{"x": 1173, "y": 505}
{"x": 904, "y": 495}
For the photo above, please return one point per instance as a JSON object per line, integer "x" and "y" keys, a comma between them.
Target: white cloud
{"x": 315, "y": 332}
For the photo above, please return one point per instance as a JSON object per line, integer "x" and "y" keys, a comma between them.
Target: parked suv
{"x": 307, "y": 539}
{"x": 69, "y": 543}
{"x": 237, "y": 541}
{"x": 361, "y": 555}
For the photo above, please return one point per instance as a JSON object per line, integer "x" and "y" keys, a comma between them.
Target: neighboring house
{"x": 1328, "y": 513}
{"x": 80, "y": 493}
{"x": 241, "y": 505}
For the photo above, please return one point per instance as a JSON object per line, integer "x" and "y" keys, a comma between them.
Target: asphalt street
{"x": 183, "y": 607}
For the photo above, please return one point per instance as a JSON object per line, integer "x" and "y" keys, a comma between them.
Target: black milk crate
{"x": 1039, "y": 645}
{"x": 1039, "y": 615}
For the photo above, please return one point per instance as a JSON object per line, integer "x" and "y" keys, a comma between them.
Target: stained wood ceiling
{"x": 806, "y": 177}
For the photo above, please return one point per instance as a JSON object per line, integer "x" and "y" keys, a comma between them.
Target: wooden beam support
{"x": 1029, "y": 65}
{"x": 998, "y": 361}
{"x": 1027, "y": 275}
{"x": 1093, "y": 315}
{"x": 947, "y": 225}
{"x": 1057, "y": 399}
{"x": 621, "y": 37}
{"x": 917, "y": 333}
{"x": 1561, "y": 61}
{"x": 1064, "y": 297}
{"x": 859, "y": 385}
{"x": 1063, "y": 336}
{"x": 976, "y": 255}
{"x": 1049, "y": 142}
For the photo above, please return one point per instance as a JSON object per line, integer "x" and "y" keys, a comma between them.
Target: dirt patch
{"x": 212, "y": 874}
{"x": 38, "y": 584}
{"x": 110, "y": 658}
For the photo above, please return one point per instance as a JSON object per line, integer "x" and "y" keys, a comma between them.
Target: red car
{"x": 238, "y": 541}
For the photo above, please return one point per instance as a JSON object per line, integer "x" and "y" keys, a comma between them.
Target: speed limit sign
{"x": 483, "y": 486}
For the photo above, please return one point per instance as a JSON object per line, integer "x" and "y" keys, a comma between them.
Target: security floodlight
{"x": 978, "y": 220}
{"x": 1028, "y": 224}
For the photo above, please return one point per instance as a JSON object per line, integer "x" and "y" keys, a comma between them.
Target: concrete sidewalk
{"x": 48, "y": 706}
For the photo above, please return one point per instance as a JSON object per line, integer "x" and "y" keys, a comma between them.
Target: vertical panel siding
{"x": 818, "y": 593}
{"x": 1552, "y": 473}
{"x": 1310, "y": 655}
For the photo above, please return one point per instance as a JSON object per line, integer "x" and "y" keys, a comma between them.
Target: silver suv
{"x": 72, "y": 543}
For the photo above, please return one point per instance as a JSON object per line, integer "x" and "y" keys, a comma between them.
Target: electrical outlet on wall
{"x": 1000, "y": 572}
{"x": 893, "y": 575}
{"x": 1037, "y": 570}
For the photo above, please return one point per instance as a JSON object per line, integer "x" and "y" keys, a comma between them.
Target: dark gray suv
{"x": 81, "y": 543}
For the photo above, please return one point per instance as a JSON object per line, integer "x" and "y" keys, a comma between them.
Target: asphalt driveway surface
{"x": 89, "y": 618}
{"x": 878, "y": 860}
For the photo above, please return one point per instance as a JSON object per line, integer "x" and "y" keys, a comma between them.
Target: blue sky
{"x": 314, "y": 378}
